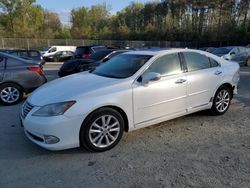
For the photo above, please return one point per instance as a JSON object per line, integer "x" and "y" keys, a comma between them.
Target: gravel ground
{"x": 197, "y": 150}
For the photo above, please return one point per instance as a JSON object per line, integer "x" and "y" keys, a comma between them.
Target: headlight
{"x": 55, "y": 109}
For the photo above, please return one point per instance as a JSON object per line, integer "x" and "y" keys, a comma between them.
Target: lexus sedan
{"x": 130, "y": 91}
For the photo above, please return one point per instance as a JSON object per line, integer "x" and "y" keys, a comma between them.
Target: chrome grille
{"x": 27, "y": 107}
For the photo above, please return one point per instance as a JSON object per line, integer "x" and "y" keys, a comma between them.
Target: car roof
{"x": 154, "y": 52}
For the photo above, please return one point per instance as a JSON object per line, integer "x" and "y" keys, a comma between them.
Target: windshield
{"x": 122, "y": 66}
{"x": 222, "y": 50}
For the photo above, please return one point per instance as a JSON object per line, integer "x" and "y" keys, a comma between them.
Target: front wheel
{"x": 222, "y": 101}
{"x": 102, "y": 130}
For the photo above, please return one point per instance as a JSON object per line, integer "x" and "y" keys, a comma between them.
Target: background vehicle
{"x": 33, "y": 55}
{"x": 79, "y": 65}
{"x": 86, "y": 51}
{"x": 54, "y": 49}
{"x": 60, "y": 56}
{"x": 238, "y": 54}
{"x": 18, "y": 76}
{"x": 130, "y": 91}
{"x": 30, "y": 54}
{"x": 208, "y": 49}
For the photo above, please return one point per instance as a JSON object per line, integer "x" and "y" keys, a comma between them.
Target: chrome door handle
{"x": 218, "y": 72}
{"x": 180, "y": 81}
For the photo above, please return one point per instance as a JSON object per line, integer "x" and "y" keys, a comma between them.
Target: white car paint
{"x": 143, "y": 105}
{"x": 54, "y": 49}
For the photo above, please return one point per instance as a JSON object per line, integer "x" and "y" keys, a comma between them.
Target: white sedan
{"x": 131, "y": 91}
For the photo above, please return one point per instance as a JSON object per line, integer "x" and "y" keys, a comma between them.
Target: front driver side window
{"x": 166, "y": 65}
{"x": 196, "y": 61}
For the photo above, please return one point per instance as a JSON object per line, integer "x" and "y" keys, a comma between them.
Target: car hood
{"x": 70, "y": 88}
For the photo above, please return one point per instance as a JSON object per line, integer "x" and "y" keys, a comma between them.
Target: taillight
{"x": 86, "y": 55}
{"x": 37, "y": 70}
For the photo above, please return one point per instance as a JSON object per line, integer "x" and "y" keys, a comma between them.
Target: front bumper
{"x": 64, "y": 128}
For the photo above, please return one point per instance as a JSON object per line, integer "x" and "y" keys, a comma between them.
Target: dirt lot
{"x": 198, "y": 150}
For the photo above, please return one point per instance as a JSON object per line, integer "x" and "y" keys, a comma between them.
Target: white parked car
{"x": 128, "y": 92}
{"x": 51, "y": 51}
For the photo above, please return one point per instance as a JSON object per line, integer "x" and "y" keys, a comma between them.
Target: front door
{"x": 164, "y": 97}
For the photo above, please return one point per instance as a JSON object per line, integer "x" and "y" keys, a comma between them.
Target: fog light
{"x": 51, "y": 139}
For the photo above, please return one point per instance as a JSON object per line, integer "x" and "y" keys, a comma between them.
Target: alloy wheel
{"x": 222, "y": 101}
{"x": 104, "y": 131}
{"x": 10, "y": 95}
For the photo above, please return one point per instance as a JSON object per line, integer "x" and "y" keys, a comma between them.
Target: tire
{"x": 222, "y": 101}
{"x": 96, "y": 135}
{"x": 10, "y": 94}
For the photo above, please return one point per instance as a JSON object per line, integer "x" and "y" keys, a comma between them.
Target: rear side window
{"x": 34, "y": 54}
{"x": 213, "y": 63}
{"x": 166, "y": 65}
{"x": 23, "y": 53}
{"x": 82, "y": 50}
{"x": 196, "y": 61}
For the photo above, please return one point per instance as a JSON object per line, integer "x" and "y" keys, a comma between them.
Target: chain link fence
{"x": 39, "y": 44}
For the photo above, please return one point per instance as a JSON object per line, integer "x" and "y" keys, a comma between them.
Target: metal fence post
{"x": 28, "y": 44}
{"x": 2, "y": 43}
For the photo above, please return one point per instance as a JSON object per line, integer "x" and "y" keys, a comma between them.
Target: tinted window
{"x": 213, "y": 63}
{"x": 23, "y": 53}
{"x": 122, "y": 66}
{"x": 166, "y": 65}
{"x": 222, "y": 50}
{"x": 34, "y": 54}
{"x": 196, "y": 61}
{"x": 82, "y": 50}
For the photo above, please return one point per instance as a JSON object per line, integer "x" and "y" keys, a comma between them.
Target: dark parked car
{"x": 238, "y": 54}
{"x": 18, "y": 76}
{"x": 60, "y": 56}
{"x": 86, "y": 51}
{"x": 79, "y": 65}
{"x": 208, "y": 49}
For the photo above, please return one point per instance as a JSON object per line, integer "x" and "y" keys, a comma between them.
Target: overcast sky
{"x": 63, "y": 7}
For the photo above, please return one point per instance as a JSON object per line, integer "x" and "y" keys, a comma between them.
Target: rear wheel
{"x": 222, "y": 101}
{"x": 102, "y": 130}
{"x": 10, "y": 94}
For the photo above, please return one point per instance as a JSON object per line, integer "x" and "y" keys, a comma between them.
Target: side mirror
{"x": 150, "y": 77}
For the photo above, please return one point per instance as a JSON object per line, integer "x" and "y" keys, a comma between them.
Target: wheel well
{"x": 123, "y": 114}
{"x": 229, "y": 86}
{"x": 23, "y": 90}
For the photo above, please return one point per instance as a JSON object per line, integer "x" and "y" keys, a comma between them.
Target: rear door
{"x": 2, "y": 67}
{"x": 203, "y": 76}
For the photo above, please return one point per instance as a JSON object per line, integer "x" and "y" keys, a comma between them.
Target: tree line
{"x": 169, "y": 20}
